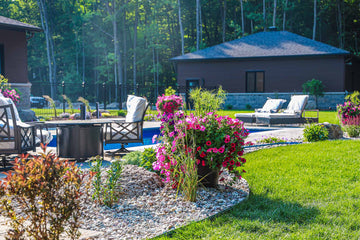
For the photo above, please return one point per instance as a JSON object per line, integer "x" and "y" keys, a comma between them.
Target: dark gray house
{"x": 13, "y": 54}
{"x": 266, "y": 62}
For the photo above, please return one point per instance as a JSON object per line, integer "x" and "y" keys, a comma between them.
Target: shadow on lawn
{"x": 262, "y": 208}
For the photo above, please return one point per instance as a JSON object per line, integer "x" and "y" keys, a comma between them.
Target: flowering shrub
{"x": 168, "y": 104}
{"x": 349, "y": 115}
{"x": 218, "y": 142}
{"x": 7, "y": 92}
{"x": 348, "y": 110}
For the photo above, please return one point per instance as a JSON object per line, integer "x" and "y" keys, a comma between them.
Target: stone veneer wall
{"x": 257, "y": 100}
{"x": 25, "y": 89}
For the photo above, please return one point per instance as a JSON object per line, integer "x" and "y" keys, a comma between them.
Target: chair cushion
{"x": 7, "y": 145}
{"x": 5, "y": 101}
{"x": 272, "y": 105}
{"x": 297, "y": 104}
{"x": 135, "y": 108}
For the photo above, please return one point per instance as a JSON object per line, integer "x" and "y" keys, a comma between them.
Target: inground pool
{"x": 148, "y": 135}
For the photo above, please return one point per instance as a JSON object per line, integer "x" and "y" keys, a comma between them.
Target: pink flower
{"x": 208, "y": 143}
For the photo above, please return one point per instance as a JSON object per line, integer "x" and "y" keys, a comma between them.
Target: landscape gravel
{"x": 148, "y": 208}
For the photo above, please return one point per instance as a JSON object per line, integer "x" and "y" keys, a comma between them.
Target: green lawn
{"x": 308, "y": 191}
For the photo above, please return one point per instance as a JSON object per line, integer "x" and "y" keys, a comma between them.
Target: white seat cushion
{"x": 7, "y": 145}
{"x": 271, "y": 105}
{"x": 5, "y": 101}
{"x": 135, "y": 108}
{"x": 297, "y": 104}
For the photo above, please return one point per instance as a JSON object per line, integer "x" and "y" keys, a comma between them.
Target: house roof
{"x": 9, "y": 23}
{"x": 264, "y": 44}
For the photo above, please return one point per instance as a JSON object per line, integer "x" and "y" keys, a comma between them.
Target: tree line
{"x": 128, "y": 43}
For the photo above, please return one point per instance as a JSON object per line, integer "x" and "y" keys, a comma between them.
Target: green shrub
{"x": 122, "y": 113}
{"x": 315, "y": 132}
{"x": 228, "y": 107}
{"x": 207, "y": 101}
{"x": 133, "y": 158}
{"x": 248, "y": 107}
{"x": 352, "y": 130}
{"x": 314, "y": 87}
{"x": 47, "y": 192}
{"x": 147, "y": 159}
{"x": 170, "y": 91}
{"x": 106, "y": 192}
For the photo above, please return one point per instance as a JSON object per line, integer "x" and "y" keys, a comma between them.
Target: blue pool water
{"x": 148, "y": 135}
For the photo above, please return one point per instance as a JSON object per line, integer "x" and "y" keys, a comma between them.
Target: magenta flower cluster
{"x": 12, "y": 94}
{"x": 348, "y": 113}
{"x": 168, "y": 104}
{"x": 215, "y": 141}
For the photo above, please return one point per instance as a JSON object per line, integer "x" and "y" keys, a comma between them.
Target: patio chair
{"x": 294, "y": 113}
{"x": 270, "y": 106}
{"x": 130, "y": 130}
{"x": 42, "y": 135}
{"x": 15, "y": 137}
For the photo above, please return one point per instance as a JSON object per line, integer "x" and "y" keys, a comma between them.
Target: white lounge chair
{"x": 270, "y": 106}
{"x": 292, "y": 115}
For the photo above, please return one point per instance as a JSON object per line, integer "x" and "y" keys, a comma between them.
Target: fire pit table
{"x": 79, "y": 139}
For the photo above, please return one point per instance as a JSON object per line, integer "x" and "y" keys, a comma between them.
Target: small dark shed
{"x": 13, "y": 54}
{"x": 274, "y": 61}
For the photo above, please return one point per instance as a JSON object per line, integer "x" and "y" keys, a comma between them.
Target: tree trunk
{"x": 314, "y": 26}
{"x": 135, "y": 42}
{"x": 284, "y": 15}
{"x": 242, "y": 18}
{"x": 224, "y": 22}
{"x": 341, "y": 44}
{"x": 49, "y": 47}
{"x": 124, "y": 86}
{"x": 181, "y": 30}
{"x": 264, "y": 14}
{"x": 197, "y": 24}
{"x": 274, "y": 14}
{"x": 115, "y": 46}
{"x": 83, "y": 58}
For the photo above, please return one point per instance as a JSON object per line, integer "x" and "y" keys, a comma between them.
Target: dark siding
{"x": 15, "y": 55}
{"x": 281, "y": 74}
